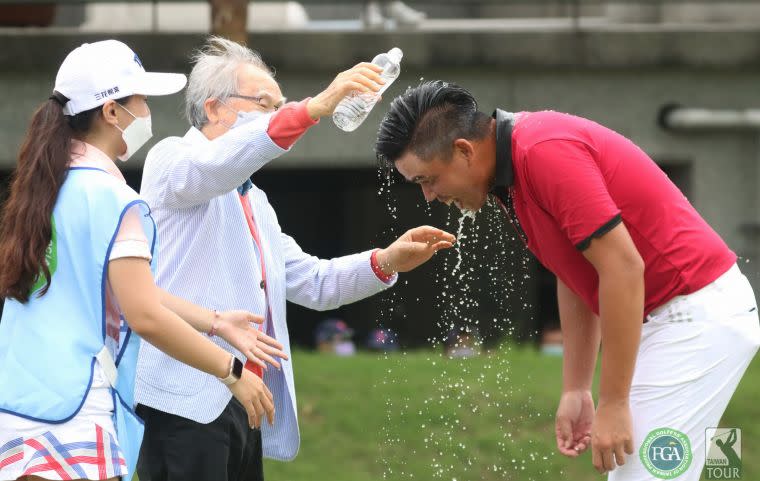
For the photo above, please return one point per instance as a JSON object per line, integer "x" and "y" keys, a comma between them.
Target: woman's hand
{"x": 255, "y": 397}
{"x": 239, "y": 329}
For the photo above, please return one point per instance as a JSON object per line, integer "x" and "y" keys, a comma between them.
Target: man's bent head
{"x": 435, "y": 136}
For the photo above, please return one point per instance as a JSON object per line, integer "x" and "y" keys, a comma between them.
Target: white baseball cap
{"x": 96, "y": 72}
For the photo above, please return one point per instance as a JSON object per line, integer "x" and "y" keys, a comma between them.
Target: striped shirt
{"x": 206, "y": 255}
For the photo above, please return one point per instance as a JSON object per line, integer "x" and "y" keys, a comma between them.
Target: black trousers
{"x": 178, "y": 449}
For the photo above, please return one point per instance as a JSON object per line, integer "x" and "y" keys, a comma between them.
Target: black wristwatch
{"x": 236, "y": 370}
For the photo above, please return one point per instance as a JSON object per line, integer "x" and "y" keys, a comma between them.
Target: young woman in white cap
{"x": 76, "y": 249}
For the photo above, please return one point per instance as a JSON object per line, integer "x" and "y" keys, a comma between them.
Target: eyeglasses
{"x": 265, "y": 100}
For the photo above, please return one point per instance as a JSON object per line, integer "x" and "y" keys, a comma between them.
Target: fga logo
{"x": 666, "y": 453}
{"x": 723, "y": 453}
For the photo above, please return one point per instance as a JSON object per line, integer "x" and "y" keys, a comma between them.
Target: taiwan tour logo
{"x": 666, "y": 453}
{"x": 723, "y": 453}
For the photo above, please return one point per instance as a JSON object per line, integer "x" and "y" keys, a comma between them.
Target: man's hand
{"x": 362, "y": 78}
{"x": 611, "y": 435}
{"x": 413, "y": 249}
{"x": 574, "y": 419}
{"x": 235, "y": 327}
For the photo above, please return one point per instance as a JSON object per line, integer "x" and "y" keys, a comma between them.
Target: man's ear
{"x": 212, "y": 107}
{"x": 464, "y": 148}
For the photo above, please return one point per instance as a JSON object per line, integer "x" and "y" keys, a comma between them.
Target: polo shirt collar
{"x": 504, "y": 175}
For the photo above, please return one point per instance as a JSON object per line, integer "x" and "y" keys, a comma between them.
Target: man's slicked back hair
{"x": 426, "y": 120}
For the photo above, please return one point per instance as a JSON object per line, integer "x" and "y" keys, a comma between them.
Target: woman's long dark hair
{"x": 26, "y": 218}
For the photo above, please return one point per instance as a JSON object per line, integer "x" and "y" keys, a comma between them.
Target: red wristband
{"x": 376, "y": 268}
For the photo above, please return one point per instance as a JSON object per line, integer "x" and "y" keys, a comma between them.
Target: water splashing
{"x": 466, "y": 214}
{"x": 478, "y": 289}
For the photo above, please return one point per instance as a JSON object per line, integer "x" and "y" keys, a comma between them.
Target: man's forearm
{"x": 621, "y": 304}
{"x": 580, "y": 339}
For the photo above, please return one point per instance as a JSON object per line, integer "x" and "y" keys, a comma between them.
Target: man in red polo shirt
{"x": 638, "y": 270}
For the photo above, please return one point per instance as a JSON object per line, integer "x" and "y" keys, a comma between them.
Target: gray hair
{"x": 215, "y": 75}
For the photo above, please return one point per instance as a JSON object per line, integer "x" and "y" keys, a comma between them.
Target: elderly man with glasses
{"x": 222, "y": 247}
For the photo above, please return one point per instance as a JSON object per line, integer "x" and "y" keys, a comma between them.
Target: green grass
{"x": 421, "y": 416}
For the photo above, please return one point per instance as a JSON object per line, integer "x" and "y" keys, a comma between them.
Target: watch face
{"x": 237, "y": 368}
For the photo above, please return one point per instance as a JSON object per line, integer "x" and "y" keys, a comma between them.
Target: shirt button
{"x": 263, "y": 284}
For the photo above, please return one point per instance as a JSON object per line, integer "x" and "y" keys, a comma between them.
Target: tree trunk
{"x": 24, "y": 15}
{"x": 229, "y": 19}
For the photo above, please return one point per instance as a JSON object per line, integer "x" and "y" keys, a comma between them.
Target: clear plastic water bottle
{"x": 353, "y": 109}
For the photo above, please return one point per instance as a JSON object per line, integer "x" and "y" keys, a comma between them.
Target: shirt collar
{"x": 196, "y": 136}
{"x": 87, "y": 155}
{"x": 504, "y": 175}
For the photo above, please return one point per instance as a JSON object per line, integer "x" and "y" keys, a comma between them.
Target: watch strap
{"x": 236, "y": 370}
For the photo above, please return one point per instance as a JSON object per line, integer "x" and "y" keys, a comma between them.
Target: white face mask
{"x": 135, "y": 135}
{"x": 244, "y": 117}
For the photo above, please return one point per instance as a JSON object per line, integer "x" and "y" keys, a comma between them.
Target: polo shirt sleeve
{"x": 566, "y": 182}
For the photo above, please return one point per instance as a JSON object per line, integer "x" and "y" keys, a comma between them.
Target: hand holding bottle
{"x": 363, "y": 78}
{"x": 354, "y": 109}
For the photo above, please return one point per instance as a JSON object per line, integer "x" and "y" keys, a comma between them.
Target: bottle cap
{"x": 396, "y": 55}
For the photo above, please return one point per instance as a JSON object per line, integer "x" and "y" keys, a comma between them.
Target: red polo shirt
{"x": 575, "y": 180}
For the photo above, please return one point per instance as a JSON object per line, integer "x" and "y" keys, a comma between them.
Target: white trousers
{"x": 694, "y": 350}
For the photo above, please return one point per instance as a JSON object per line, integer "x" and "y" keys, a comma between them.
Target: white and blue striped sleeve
{"x": 180, "y": 174}
{"x": 327, "y": 284}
